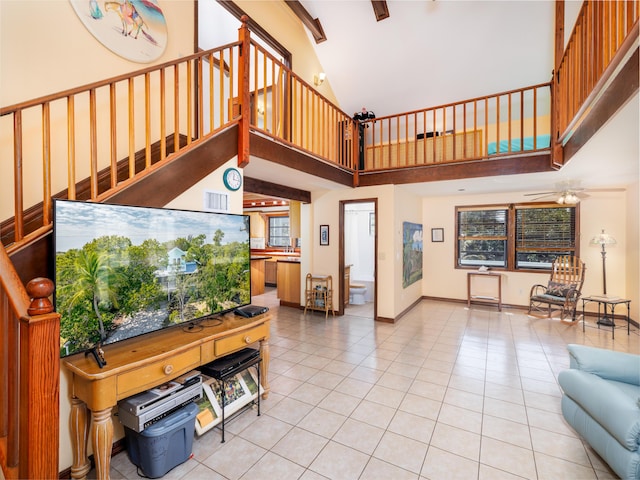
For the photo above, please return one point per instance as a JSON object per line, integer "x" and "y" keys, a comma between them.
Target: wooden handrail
{"x": 30, "y": 376}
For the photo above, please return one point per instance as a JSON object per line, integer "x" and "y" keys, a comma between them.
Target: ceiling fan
{"x": 569, "y": 195}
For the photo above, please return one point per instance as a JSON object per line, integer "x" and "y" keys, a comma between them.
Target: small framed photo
{"x": 437, "y": 234}
{"x": 324, "y": 234}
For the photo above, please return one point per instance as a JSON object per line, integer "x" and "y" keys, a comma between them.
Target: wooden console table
{"x": 144, "y": 362}
{"x": 497, "y": 299}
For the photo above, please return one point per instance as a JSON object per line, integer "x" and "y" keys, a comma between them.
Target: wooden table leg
{"x": 102, "y": 441}
{"x": 264, "y": 367}
{"x": 79, "y": 425}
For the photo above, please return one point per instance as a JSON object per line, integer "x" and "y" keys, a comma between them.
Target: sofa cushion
{"x": 619, "y": 366}
{"x": 622, "y": 461}
{"x": 556, "y": 289}
{"x": 615, "y": 408}
{"x": 545, "y": 298}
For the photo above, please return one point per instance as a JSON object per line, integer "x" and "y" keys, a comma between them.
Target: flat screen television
{"x": 123, "y": 271}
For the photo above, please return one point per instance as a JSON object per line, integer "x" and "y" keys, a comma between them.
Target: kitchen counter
{"x": 257, "y": 274}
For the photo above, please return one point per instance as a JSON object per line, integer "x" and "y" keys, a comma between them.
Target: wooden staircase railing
{"x": 81, "y": 132}
{"x": 29, "y": 377}
{"x": 605, "y": 31}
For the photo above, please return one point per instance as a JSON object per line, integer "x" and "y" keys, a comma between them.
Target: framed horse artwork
{"x": 134, "y": 29}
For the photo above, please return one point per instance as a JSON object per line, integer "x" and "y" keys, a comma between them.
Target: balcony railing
{"x": 591, "y": 57}
{"x": 517, "y": 121}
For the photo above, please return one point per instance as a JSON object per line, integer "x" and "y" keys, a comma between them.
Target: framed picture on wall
{"x": 324, "y": 234}
{"x": 437, "y": 234}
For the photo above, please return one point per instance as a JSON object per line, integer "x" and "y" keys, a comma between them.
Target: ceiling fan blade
{"x": 605, "y": 189}
{"x": 545, "y": 196}
{"x": 541, "y": 193}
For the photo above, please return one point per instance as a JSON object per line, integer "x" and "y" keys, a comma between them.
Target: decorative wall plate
{"x": 133, "y": 29}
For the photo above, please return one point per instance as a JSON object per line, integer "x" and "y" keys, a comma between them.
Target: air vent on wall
{"x": 215, "y": 201}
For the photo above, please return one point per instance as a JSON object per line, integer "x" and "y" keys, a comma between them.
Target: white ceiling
{"x": 429, "y": 53}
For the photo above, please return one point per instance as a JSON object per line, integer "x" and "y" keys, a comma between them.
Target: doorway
{"x": 358, "y": 253}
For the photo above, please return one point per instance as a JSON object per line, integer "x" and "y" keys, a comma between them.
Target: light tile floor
{"x": 445, "y": 393}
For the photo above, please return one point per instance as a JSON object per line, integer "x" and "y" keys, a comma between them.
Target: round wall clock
{"x": 232, "y": 179}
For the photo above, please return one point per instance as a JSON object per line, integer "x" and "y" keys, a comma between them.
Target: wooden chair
{"x": 562, "y": 292}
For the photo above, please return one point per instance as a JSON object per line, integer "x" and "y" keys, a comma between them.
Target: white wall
{"x": 633, "y": 249}
{"x": 45, "y": 48}
{"x": 407, "y": 208}
{"x": 192, "y": 199}
{"x": 599, "y": 210}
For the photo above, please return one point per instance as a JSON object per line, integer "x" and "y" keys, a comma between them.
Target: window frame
{"x": 271, "y": 216}
{"x": 511, "y": 241}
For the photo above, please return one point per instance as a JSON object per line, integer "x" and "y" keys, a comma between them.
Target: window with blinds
{"x": 482, "y": 237}
{"x": 542, "y": 234}
{"x": 515, "y": 237}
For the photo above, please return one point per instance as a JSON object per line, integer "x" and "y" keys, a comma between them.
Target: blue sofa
{"x": 601, "y": 402}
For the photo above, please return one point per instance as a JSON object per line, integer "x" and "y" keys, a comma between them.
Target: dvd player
{"x": 231, "y": 364}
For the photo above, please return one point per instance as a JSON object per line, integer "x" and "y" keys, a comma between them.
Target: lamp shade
{"x": 603, "y": 239}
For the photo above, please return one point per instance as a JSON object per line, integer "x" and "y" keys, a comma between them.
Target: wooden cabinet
{"x": 257, "y": 276}
{"x": 346, "y": 284}
{"x": 294, "y": 219}
{"x": 289, "y": 283}
{"x": 271, "y": 272}
{"x": 257, "y": 225}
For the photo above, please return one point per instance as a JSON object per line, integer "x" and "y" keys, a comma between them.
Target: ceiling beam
{"x": 255, "y": 185}
{"x": 381, "y": 9}
{"x": 313, "y": 24}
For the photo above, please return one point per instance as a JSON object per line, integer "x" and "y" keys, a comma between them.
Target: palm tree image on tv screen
{"x": 123, "y": 271}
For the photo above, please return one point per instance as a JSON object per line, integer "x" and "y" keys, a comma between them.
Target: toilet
{"x": 356, "y": 294}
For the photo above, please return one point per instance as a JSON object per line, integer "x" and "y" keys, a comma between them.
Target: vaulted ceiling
{"x": 432, "y": 52}
{"x": 427, "y": 53}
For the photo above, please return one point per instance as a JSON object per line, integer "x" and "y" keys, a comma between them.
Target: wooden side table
{"x": 497, "y": 299}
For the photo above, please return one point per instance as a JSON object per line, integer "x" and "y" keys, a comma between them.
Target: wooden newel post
{"x": 244, "y": 69}
{"x": 39, "y": 384}
{"x": 39, "y": 290}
